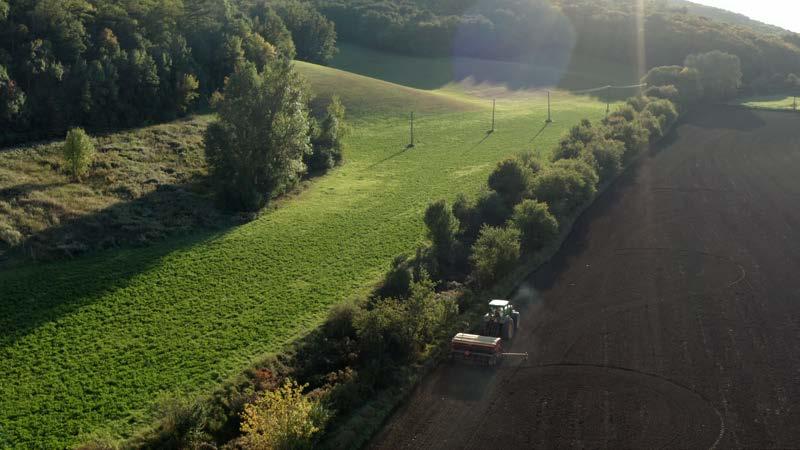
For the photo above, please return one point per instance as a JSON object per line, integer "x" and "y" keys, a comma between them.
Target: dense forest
{"x": 541, "y": 30}
{"x": 107, "y": 64}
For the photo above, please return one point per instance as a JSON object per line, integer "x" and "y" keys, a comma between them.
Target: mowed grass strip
{"x": 91, "y": 344}
{"x": 783, "y": 102}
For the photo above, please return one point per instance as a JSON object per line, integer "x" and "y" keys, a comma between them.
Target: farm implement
{"x": 500, "y": 323}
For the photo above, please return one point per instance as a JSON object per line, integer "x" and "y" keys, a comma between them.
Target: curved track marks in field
{"x": 669, "y": 319}
{"x": 594, "y": 406}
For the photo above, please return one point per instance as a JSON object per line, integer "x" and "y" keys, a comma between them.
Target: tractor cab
{"x": 501, "y": 320}
{"x": 499, "y": 308}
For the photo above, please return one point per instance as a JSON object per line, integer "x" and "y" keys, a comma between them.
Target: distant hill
{"x": 548, "y": 33}
{"x": 722, "y": 15}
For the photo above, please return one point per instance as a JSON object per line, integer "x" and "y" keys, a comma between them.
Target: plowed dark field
{"x": 670, "y": 318}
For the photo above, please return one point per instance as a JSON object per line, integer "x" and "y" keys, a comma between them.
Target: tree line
{"x": 104, "y": 64}
{"x": 549, "y": 32}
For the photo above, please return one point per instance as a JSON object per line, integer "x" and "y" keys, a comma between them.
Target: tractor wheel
{"x": 508, "y": 330}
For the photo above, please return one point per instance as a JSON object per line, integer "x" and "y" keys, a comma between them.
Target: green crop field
{"x": 771, "y": 102}
{"x": 91, "y": 344}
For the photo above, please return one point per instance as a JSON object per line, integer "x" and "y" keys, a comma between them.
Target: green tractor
{"x": 501, "y": 321}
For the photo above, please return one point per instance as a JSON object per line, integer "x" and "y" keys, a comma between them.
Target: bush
{"x": 531, "y": 161}
{"x": 607, "y": 156}
{"x": 635, "y": 137}
{"x": 340, "y": 320}
{"x": 626, "y": 112}
{"x": 283, "y": 419}
{"x": 669, "y": 92}
{"x": 495, "y": 253}
{"x": 442, "y": 228}
{"x": 586, "y": 171}
{"x": 664, "y": 111}
{"x": 396, "y": 331}
{"x": 652, "y": 124}
{"x": 536, "y": 225}
{"x": 397, "y": 283}
{"x": 720, "y": 73}
{"x": 563, "y": 189}
{"x": 78, "y": 152}
{"x": 638, "y": 103}
{"x": 510, "y": 179}
{"x": 574, "y": 142}
{"x": 327, "y": 145}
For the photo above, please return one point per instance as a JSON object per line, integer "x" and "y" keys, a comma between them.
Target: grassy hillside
{"x": 90, "y": 344}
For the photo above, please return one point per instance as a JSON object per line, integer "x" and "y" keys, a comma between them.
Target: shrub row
{"x": 477, "y": 241}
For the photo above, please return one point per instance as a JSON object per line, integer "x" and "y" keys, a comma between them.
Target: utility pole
{"x": 549, "y": 118}
{"x": 795, "y": 103}
{"x": 494, "y": 106}
{"x": 412, "y": 131}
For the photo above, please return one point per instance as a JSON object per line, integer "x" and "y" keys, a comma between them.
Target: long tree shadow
{"x": 41, "y": 280}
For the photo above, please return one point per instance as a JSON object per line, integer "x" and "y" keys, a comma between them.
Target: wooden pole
{"x": 412, "y": 130}
{"x": 549, "y": 117}
{"x": 494, "y": 107}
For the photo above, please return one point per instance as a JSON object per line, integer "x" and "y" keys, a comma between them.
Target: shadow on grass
{"x": 25, "y": 189}
{"x": 390, "y": 157}
{"x": 479, "y": 143}
{"x": 39, "y": 282}
{"x": 536, "y": 136}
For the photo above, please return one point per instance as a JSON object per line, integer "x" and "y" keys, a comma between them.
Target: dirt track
{"x": 670, "y": 319}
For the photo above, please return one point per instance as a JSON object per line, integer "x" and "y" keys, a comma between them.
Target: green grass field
{"x": 90, "y": 345}
{"x": 782, "y": 102}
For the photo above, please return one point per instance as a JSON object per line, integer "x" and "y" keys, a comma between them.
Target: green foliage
{"x": 187, "y": 92}
{"x": 531, "y": 161}
{"x": 397, "y": 282}
{"x": 442, "y": 226}
{"x": 686, "y": 81}
{"x": 668, "y": 92}
{"x": 536, "y": 225}
{"x": 510, "y": 179}
{"x": 495, "y": 253}
{"x": 396, "y": 331}
{"x": 182, "y": 424}
{"x": 328, "y": 142}
{"x": 606, "y": 157}
{"x": 78, "y": 152}
{"x": 313, "y": 34}
{"x": 664, "y": 111}
{"x": 720, "y": 74}
{"x": 499, "y": 29}
{"x": 256, "y": 148}
{"x": 587, "y": 172}
{"x": 103, "y": 64}
{"x": 573, "y": 144}
{"x": 283, "y": 419}
{"x": 12, "y": 98}
{"x": 635, "y": 137}
{"x": 563, "y": 189}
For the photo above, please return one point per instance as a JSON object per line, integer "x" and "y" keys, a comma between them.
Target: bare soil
{"x": 670, "y": 318}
